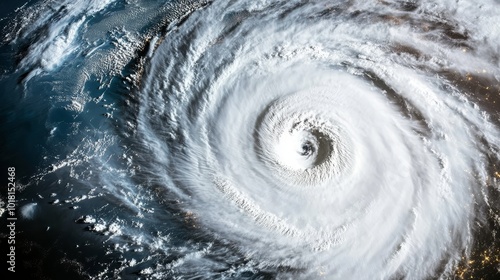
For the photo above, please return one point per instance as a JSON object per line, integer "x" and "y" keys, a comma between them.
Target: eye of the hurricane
{"x": 303, "y": 146}
{"x": 307, "y": 149}
{"x": 302, "y": 149}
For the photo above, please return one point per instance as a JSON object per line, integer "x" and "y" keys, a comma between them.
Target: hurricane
{"x": 257, "y": 139}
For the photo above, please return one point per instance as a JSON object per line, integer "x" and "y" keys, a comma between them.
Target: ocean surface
{"x": 250, "y": 139}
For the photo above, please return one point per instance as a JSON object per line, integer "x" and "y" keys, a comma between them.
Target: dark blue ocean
{"x": 39, "y": 129}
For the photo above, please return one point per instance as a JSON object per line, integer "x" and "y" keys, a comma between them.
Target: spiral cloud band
{"x": 313, "y": 140}
{"x": 316, "y": 139}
